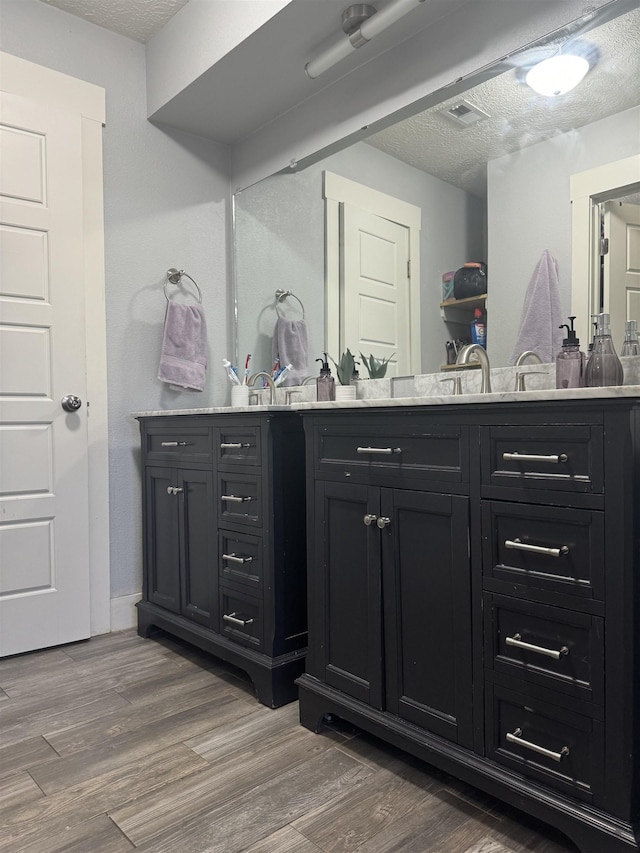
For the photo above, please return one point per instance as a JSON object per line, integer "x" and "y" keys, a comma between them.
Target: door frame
{"x": 19, "y": 77}
{"x": 587, "y": 187}
{"x": 336, "y": 191}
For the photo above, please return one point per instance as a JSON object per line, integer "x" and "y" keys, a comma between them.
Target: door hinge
{"x": 604, "y": 246}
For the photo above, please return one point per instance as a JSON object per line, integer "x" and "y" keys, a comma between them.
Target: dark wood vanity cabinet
{"x": 474, "y": 598}
{"x": 224, "y": 541}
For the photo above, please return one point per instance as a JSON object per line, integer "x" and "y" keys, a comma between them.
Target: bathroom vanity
{"x": 224, "y": 540}
{"x": 474, "y": 595}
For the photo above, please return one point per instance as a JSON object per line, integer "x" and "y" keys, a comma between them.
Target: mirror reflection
{"x": 483, "y": 176}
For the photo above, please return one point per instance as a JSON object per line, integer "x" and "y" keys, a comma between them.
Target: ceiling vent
{"x": 465, "y": 113}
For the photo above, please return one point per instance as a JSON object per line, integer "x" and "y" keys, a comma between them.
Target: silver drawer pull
{"x": 532, "y": 457}
{"x": 175, "y": 443}
{"x": 516, "y": 737}
{"x": 233, "y": 558}
{"x": 237, "y": 499}
{"x": 517, "y": 545}
{"x": 234, "y": 445}
{"x": 231, "y": 617}
{"x": 516, "y": 641}
{"x": 385, "y": 451}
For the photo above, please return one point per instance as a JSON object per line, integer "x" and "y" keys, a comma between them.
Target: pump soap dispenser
{"x": 603, "y": 367}
{"x": 570, "y": 360}
{"x": 630, "y": 345}
{"x": 325, "y": 383}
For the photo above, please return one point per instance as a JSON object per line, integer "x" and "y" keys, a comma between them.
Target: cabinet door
{"x": 345, "y": 591}
{"x": 426, "y": 582}
{"x": 199, "y": 575}
{"x": 162, "y": 562}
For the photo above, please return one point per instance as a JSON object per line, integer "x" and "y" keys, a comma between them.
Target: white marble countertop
{"x": 430, "y": 400}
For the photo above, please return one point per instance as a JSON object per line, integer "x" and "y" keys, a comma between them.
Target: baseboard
{"x": 123, "y": 612}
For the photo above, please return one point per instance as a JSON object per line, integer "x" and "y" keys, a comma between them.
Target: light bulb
{"x": 557, "y": 75}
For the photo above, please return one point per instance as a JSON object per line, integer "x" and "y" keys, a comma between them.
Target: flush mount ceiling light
{"x": 560, "y": 73}
{"x": 360, "y": 23}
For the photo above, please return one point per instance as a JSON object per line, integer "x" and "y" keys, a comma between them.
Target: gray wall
{"x": 166, "y": 205}
{"x": 529, "y": 207}
{"x": 280, "y": 240}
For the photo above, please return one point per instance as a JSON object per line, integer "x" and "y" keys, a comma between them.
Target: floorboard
{"x": 121, "y": 743}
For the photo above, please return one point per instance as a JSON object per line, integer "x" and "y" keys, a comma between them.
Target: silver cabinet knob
{"x": 383, "y": 521}
{"x": 71, "y": 403}
{"x": 369, "y": 519}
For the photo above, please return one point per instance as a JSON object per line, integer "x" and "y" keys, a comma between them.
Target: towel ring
{"x": 175, "y": 277}
{"x": 281, "y": 295}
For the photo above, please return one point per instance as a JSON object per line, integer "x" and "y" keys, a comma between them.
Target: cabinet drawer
{"x": 567, "y": 458}
{"x": 549, "y": 646}
{"x": 182, "y": 444}
{"x": 240, "y": 558}
{"x": 553, "y": 548}
{"x": 560, "y": 747}
{"x": 240, "y": 499}
{"x": 432, "y": 452}
{"x": 241, "y": 618}
{"x": 238, "y": 445}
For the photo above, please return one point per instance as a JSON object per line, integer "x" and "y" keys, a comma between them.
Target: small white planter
{"x": 345, "y": 392}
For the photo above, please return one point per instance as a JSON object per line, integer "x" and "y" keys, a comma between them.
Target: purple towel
{"x": 541, "y": 313}
{"x": 183, "y": 361}
{"x": 290, "y": 343}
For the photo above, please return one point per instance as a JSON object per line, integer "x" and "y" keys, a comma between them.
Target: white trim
{"x": 123, "y": 612}
{"x": 585, "y": 188}
{"x": 24, "y": 78}
{"x": 336, "y": 191}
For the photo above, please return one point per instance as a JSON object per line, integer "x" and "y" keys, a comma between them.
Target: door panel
{"x": 198, "y": 537}
{"x": 162, "y": 538}
{"x": 44, "y": 553}
{"x": 348, "y": 561}
{"x": 622, "y": 266}
{"x": 426, "y": 577}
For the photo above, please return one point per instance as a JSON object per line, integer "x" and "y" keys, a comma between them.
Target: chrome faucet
{"x": 528, "y": 353}
{"x": 308, "y": 379}
{"x": 483, "y": 358}
{"x": 272, "y": 387}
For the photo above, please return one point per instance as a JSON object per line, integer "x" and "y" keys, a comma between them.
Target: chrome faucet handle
{"x": 457, "y": 382}
{"x": 289, "y": 394}
{"x": 520, "y": 378}
{"x": 254, "y": 398}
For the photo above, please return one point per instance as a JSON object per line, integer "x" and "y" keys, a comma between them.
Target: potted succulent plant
{"x": 344, "y": 370}
{"x": 377, "y": 367}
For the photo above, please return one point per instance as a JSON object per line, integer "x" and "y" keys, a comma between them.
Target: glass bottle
{"x": 603, "y": 367}
{"x": 325, "y": 383}
{"x": 630, "y": 345}
{"x": 570, "y": 360}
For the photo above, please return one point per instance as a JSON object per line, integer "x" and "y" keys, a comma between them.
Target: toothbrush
{"x": 282, "y": 375}
{"x": 233, "y": 376}
{"x": 246, "y": 369}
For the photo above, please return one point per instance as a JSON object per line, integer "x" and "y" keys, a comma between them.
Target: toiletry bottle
{"x": 325, "y": 383}
{"x": 355, "y": 375}
{"x": 478, "y": 329}
{"x": 603, "y": 367}
{"x": 570, "y": 361}
{"x": 630, "y": 345}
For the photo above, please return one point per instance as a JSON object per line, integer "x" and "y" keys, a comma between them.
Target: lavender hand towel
{"x": 541, "y": 313}
{"x": 291, "y": 344}
{"x": 183, "y": 360}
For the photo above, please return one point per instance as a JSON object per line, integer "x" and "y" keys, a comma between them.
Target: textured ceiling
{"x": 137, "y": 19}
{"x": 434, "y": 143}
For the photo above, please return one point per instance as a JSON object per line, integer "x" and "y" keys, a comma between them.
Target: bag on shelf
{"x": 470, "y": 280}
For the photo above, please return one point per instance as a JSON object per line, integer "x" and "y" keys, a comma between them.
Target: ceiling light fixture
{"x": 360, "y": 23}
{"x": 560, "y": 73}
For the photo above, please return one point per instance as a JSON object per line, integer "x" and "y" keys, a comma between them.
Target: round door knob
{"x": 383, "y": 521}
{"x": 71, "y": 403}
{"x": 369, "y": 519}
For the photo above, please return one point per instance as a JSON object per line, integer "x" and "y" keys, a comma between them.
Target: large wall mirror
{"x": 489, "y": 172}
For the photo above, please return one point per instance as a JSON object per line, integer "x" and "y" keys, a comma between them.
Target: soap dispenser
{"x": 630, "y": 345}
{"x": 325, "y": 383}
{"x": 570, "y": 360}
{"x": 603, "y": 367}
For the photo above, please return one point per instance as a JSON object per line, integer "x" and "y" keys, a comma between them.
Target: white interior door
{"x": 44, "y": 552}
{"x": 622, "y": 266}
{"x": 376, "y": 289}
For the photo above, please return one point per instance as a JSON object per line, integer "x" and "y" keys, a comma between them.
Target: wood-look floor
{"x": 121, "y": 743}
